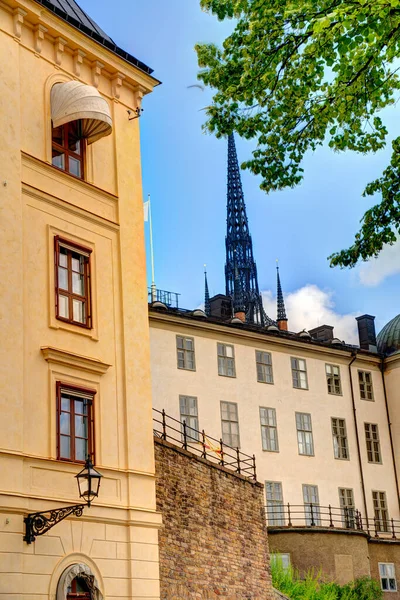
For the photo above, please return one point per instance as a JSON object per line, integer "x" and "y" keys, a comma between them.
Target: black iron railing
{"x": 203, "y": 445}
{"x": 314, "y": 515}
{"x": 170, "y": 299}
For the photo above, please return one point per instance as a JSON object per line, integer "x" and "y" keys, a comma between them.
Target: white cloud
{"x": 309, "y": 307}
{"x": 377, "y": 269}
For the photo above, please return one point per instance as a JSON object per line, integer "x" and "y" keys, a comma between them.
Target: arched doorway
{"x": 78, "y": 590}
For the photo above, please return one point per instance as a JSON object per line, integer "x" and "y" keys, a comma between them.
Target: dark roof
{"x": 69, "y": 11}
{"x": 389, "y": 338}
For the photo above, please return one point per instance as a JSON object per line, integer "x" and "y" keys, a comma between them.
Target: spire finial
{"x": 207, "y": 304}
{"x": 282, "y": 318}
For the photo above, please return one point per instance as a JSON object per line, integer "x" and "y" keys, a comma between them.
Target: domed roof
{"x": 389, "y": 338}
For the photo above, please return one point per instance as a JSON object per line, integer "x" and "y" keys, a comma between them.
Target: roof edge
{"x": 96, "y": 37}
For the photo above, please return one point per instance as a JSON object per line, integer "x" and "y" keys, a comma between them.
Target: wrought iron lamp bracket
{"x": 137, "y": 112}
{"x": 40, "y": 522}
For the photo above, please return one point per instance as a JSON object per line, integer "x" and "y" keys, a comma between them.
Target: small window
{"x": 264, "y": 367}
{"x": 269, "y": 432}
{"x": 226, "y": 360}
{"x": 275, "y": 508}
{"x": 75, "y": 423}
{"x": 381, "y": 514}
{"x": 299, "y": 373}
{"x": 189, "y": 414}
{"x": 304, "y": 434}
{"x": 365, "y": 381}
{"x": 185, "y": 353}
{"x": 230, "y": 424}
{"x": 373, "y": 443}
{"x": 68, "y": 148}
{"x": 333, "y": 379}
{"x": 387, "y": 575}
{"x": 347, "y": 507}
{"x": 339, "y": 434}
{"x": 282, "y": 560}
{"x": 72, "y": 279}
{"x": 79, "y": 589}
{"x": 312, "y": 511}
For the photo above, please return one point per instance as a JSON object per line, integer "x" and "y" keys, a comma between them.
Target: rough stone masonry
{"x": 213, "y": 543}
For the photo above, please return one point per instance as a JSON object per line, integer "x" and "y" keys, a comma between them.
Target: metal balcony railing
{"x": 314, "y": 515}
{"x": 170, "y": 299}
{"x": 203, "y": 445}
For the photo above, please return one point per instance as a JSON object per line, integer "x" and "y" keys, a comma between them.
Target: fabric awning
{"x": 73, "y": 101}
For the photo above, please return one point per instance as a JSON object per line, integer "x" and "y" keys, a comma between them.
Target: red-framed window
{"x": 72, "y": 282}
{"x": 78, "y": 589}
{"x": 68, "y": 149}
{"x": 75, "y": 423}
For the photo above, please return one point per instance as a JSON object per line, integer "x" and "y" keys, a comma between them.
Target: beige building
{"x": 321, "y": 417}
{"x": 74, "y": 367}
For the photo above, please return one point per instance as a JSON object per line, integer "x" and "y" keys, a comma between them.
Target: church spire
{"x": 207, "y": 304}
{"x": 240, "y": 269}
{"x": 282, "y": 318}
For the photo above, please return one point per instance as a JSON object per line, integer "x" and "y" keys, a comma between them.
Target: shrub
{"x": 288, "y": 581}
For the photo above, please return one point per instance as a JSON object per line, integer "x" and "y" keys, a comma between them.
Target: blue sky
{"x": 184, "y": 170}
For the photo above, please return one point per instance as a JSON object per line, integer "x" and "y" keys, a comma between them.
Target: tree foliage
{"x": 295, "y": 74}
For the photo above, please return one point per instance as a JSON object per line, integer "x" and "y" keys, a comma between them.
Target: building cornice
{"x": 84, "y": 363}
{"x": 278, "y": 340}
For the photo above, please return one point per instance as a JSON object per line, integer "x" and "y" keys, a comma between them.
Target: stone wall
{"x": 213, "y": 543}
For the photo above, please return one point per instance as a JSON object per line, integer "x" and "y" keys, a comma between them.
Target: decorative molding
{"x": 18, "y": 16}
{"x": 97, "y": 66}
{"x": 38, "y": 32}
{"x": 59, "y": 46}
{"x": 116, "y": 84}
{"x": 70, "y": 359}
{"x": 79, "y": 55}
{"x": 139, "y": 93}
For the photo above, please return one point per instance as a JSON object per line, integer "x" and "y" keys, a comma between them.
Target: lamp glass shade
{"x": 88, "y": 482}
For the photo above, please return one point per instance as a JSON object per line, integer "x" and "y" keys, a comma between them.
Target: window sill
{"x": 186, "y": 369}
{"x": 266, "y": 382}
{"x": 228, "y": 376}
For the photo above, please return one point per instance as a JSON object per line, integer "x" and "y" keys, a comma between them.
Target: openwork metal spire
{"x": 280, "y": 302}
{"x": 207, "y": 304}
{"x": 240, "y": 269}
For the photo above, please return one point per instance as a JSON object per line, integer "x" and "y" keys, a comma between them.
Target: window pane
{"x": 81, "y": 426}
{"x": 65, "y": 447}
{"x": 65, "y": 403}
{"x": 78, "y": 285}
{"x": 58, "y": 135}
{"x": 81, "y": 449}
{"x": 77, "y": 263}
{"x": 74, "y": 166}
{"x": 58, "y": 159}
{"x": 79, "y": 407}
{"x": 65, "y": 423}
{"x": 62, "y": 278}
{"x": 63, "y": 258}
{"x": 74, "y": 144}
{"x": 79, "y": 311}
{"x": 63, "y": 306}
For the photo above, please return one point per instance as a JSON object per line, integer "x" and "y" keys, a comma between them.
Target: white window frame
{"x": 275, "y": 506}
{"x": 226, "y": 362}
{"x": 264, "y": 367}
{"x": 299, "y": 368}
{"x": 347, "y": 507}
{"x": 381, "y": 512}
{"x": 269, "y": 429}
{"x": 305, "y": 439}
{"x": 383, "y": 575}
{"x": 281, "y": 558}
{"x": 187, "y": 354}
{"x": 366, "y": 387}
{"x": 333, "y": 379}
{"x": 231, "y": 424}
{"x": 190, "y": 414}
{"x": 373, "y": 444}
{"x": 316, "y": 513}
{"x": 340, "y": 440}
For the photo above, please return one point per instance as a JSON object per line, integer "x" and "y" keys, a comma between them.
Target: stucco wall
{"x": 213, "y": 543}
{"x": 385, "y": 552}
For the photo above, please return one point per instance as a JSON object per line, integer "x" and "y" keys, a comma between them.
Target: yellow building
{"x": 74, "y": 369}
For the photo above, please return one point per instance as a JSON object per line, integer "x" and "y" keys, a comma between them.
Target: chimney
{"x": 221, "y": 307}
{"x": 323, "y": 333}
{"x": 241, "y": 315}
{"x": 366, "y": 333}
{"x": 282, "y": 324}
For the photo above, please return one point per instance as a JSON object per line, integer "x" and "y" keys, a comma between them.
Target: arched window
{"x": 80, "y": 116}
{"x": 78, "y": 589}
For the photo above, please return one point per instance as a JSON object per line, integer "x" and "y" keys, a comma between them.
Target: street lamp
{"x": 88, "y": 484}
